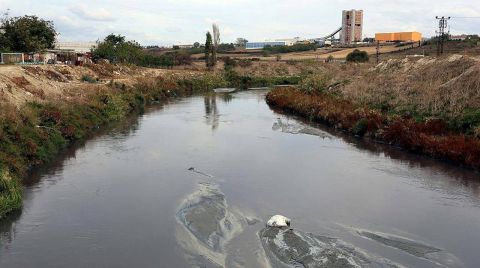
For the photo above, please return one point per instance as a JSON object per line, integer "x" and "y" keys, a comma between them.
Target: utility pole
{"x": 378, "y": 52}
{"x": 442, "y": 26}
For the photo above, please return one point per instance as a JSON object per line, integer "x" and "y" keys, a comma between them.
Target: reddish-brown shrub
{"x": 430, "y": 138}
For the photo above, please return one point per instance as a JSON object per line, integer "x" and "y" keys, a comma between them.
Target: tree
{"x": 27, "y": 34}
{"x": 3, "y": 40}
{"x": 196, "y": 45}
{"x": 241, "y": 42}
{"x": 116, "y": 49}
{"x": 216, "y": 42}
{"x": 208, "y": 50}
{"x": 357, "y": 56}
{"x": 115, "y": 39}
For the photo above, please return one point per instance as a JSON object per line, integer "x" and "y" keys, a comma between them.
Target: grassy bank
{"x": 33, "y": 134}
{"x": 431, "y": 137}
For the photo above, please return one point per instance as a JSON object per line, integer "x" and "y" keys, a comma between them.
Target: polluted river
{"x": 193, "y": 183}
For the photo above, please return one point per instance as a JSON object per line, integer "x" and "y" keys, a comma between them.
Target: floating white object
{"x": 224, "y": 90}
{"x": 278, "y": 221}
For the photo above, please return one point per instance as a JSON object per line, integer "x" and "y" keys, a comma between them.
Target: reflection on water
{"x": 211, "y": 111}
{"x": 119, "y": 199}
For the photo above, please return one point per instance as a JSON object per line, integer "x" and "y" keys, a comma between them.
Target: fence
{"x": 12, "y": 58}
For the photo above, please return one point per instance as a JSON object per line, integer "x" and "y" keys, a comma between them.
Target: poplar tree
{"x": 208, "y": 50}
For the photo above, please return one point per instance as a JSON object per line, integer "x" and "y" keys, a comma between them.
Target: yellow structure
{"x": 401, "y": 36}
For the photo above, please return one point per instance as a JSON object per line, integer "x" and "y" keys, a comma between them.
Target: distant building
{"x": 461, "y": 37}
{"x": 78, "y": 47}
{"x": 183, "y": 46}
{"x": 352, "y": 27}
{"x": 278, "y": 42}
{"x": 399, "y": 37}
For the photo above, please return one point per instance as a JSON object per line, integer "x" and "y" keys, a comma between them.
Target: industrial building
{"x": 261, "y": 45}
{"x": 278, "y": 42}
{"x": 398, "y": 37}
{"x": 79, "y": 47}
{"x": 352, "y": 27}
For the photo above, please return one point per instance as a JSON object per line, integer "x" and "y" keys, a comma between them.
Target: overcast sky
{"x": 166, "y": 22}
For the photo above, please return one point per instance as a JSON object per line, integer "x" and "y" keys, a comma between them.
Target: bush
{"x": 89, "y": 79}
{"x": 316, "y": 82}
{"x": 358, "y": 56}
{"x": 229, "y": 63}
{"x": 360, "y": 127}
{"x": 288, "y": 49}
{"x": 10, "y": 193}
{"x": 244, "y": 63}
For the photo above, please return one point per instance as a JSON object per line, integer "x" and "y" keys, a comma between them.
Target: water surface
{"x": 122, "y": 198}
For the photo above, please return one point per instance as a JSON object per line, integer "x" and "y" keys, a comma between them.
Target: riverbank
{"x": 424, "y": 105}
{"x": 449, "y": 136}
{"x": 36, "y": 131}
{"x": 47, "y": 108}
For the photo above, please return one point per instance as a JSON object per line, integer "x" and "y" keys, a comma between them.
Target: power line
{"x": 465, "y": 17}
{"x": 442, "y": 26}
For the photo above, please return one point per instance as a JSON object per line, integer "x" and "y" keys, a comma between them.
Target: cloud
{"x": 95, "y": 14}
{"x": 166, "y": 22}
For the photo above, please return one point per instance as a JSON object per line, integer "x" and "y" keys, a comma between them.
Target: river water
{"x": 192, "y": 183}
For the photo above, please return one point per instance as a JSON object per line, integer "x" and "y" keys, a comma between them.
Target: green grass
{"x": 10, "y": 193}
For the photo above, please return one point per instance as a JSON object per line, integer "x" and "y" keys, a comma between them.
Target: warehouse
{"x": 261, "y": 45}
{"x": 398, "y": 37}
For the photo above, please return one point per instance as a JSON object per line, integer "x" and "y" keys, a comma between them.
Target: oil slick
{"x": 415, "y": 248}
{"x": 288, "y": 248}
{"x": 206, "y": 225}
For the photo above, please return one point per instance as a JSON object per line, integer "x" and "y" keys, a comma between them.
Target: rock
{"x": 279, "y": 221}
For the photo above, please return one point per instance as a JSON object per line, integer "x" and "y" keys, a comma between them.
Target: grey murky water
{"x": 193, "y": 183}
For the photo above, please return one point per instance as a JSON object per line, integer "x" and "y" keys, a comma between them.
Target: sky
{"x": 167, "y": 22}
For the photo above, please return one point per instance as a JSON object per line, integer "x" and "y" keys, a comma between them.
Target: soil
{"x": 21, "y": 84}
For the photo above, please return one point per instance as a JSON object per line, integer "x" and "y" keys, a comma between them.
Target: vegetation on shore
{"x": 318, "y": 100}
{"x": 33, "y": 134}
{"x": 429, "y": 105}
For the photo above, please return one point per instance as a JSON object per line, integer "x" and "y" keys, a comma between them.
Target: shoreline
{"x": 33, "y": 133}
{"x": 428, "y": 138}
{"x": 37, "y": 132}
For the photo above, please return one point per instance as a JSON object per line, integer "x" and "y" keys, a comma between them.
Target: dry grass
{"x": 427, "y": 86}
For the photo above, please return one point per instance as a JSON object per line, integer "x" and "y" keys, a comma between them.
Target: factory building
{"x": 278, "y": 42}
{"x": 398, "y": 37}
{"x": 352, "y": 27}
{"x": 78, "y": 47}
